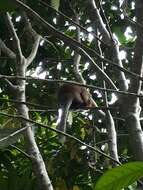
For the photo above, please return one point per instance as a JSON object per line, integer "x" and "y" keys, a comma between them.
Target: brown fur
{"x": 75, "y": 97}
{"x": 79, "y": 95}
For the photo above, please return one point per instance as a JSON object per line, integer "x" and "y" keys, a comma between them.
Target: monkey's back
{"x": 78, "y": 94}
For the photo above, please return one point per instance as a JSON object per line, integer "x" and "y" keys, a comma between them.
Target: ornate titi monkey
{"x": 75, "y": 97}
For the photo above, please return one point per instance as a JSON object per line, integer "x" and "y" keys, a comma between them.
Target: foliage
{"x": 70, "y": 166}
{"x": 120, "y": 177}
{"x": 7, "y": 5}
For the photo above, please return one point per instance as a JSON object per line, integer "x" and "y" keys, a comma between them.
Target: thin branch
{"x": 16, "y": 40}
{"x": 76, "y": 63}
{"x": 47, "y": 109}
{"x": 60, "y": 132}
{"x": 38, "y": 164}
{"x": 77, "y": 57}
{"x": 21, "y": 151}
{"x": 6, "y": 123}
{"x": 78, "y": 75}
{"x": 108, "y": 36}
{"x": 109, "y": 122}
{"x": 79, "y": 50}
{"x": 96, "y": 17}
{"x": 106, "y": 21}
{"x": 73, "y": 22}
{"x": 12, "y": 137}
{"x": 26, "y": 103}
{"x": 36, "y": 37}
{"x": 73, "y": 43}
{"x": 72, "y": 82}
{"x": 75, "y": 110}
{"x": 34, "y": 50}
{"x": 100, "y": 71}
{"x": 123, "y": 10}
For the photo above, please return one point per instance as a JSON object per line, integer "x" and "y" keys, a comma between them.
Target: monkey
{"x": 74, "y": 97}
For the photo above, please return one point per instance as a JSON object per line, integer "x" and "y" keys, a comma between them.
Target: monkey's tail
{"x": 63, "y": 119}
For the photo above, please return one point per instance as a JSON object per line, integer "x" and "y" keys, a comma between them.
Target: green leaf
{"x": 55, "y": 4}
{"x": 7, "y": 5}
{"x": 70, "y": 118}
{"x": 120, "y": 34}
{"x": 120, "y": 177}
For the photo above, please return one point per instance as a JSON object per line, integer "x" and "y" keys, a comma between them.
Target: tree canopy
{"x": 96, "y": 44}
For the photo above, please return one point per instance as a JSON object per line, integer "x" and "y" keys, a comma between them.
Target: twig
{"x": 73, "y": 43}
{"x": 16, "y": 40}
{"x": 60, "y": 132}
{"x": 73, "y": 22}
{"x": 72, "y": 82}
{"x": 13, "y": 134}
{"x": 21, "y": 151}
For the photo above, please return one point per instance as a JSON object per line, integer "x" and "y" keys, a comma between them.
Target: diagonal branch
{"x": 96, "y": 17}
{"x": 11, "y": 137}
{"x": 34, "y": 50}
{"x": 78, "y": 75}
{"x": 62, "y": 133}
{"x": 15, "y": 38}
{"x": 68, "y": 40}
{"x": 36, "y": 37}
{"x": 75, "y": 23}
{"x": 108, "y": 38}
{"x": 70, "y": 82}
{"x": 99, "y": 70}
{"x": 77, "y": 57}
{"x": 7, "y": 51}
{"x": 37, "y": 161}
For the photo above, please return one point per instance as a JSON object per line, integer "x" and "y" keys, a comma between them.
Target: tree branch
{"x": 72, "y": 82}
{"x": 12, "y": 137}
{"x": 108, "y": 38}
{"x": 95, "y": 16}
{"x": 73, "y": 43}
{"x": 11, "y": 86}
{"x": 38, "y": 164}
{"x": 60, "y": 132}
{"x": 6, "y": 50}
{"x": 15, "y": 38}
{"x": 34, "y": 50}
{"x": 36, "y": 37}
{"x": 21, "y": 151}
{"x": 73, "y": 22}
{"x": 103, "y": 75}
{"x": 77, "y": 57}
{"x": 132, "y": 108}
